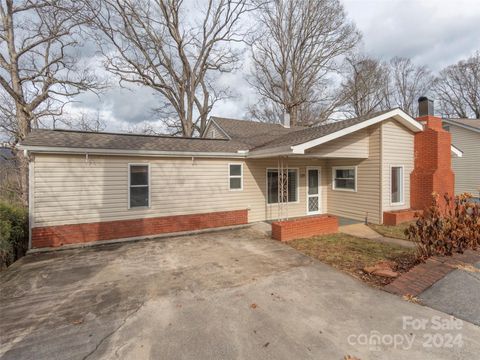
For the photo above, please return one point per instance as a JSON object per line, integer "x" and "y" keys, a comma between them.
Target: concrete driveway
{"x": 221, "y": 295}
{"x": 458, "y": 294}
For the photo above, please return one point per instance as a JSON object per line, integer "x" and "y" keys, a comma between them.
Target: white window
{"x": 138, "y": 185}
{"x": 235, "y": 176}
{"x": 396, "y": 185}
{"x": 344, "y": 178}
{"x": 273, "y": 195}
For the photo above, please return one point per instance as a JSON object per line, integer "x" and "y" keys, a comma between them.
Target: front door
{"x": 313, "y": 191}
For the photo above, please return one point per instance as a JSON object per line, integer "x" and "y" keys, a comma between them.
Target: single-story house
{"x": 88, "y": 186}
{"x": 466, "y": 135}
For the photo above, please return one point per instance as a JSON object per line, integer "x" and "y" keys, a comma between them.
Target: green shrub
{"x": 13, "y": 233}
{"x": 447, "y": 229}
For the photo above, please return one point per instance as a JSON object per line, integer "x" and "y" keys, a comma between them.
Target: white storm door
{"x": 313, "y": 191}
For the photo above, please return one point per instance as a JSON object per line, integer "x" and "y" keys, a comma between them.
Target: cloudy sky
{"x": 435, "y": 33}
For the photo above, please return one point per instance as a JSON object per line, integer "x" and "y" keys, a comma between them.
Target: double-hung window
{"x": 344, "y": 178}
{"x": 273, "y": 186}
{"x": 235, "y": 176}
{"x": 396, "y": 185}
{"x": 138, "y": 185}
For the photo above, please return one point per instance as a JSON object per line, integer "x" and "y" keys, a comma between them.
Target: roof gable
{"x": 252, "y": 133}
{"x": 469, "y": 124}
{"x": 302, "y": 140}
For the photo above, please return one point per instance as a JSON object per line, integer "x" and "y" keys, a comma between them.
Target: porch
{"x": 294, "y": 187}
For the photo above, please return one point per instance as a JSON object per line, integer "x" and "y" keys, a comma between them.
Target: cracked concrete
{"x": 223, "y": 295}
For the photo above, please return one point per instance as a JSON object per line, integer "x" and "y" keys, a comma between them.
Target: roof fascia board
{"x": 66, "y": 150}
{"x": 397, "y": 114}
{"x": 452, "y": 122}
{"x": 456, "y": 151}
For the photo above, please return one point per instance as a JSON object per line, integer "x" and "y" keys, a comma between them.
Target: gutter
{"x": 118, "y": 152}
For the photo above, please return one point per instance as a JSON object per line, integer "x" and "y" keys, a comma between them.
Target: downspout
{"x": 381, "y": 175}
{"x": 31, "y": 175}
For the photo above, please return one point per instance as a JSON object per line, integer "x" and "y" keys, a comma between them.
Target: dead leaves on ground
{"x": 411, "y": 298}
{"x": 467, "y": 267}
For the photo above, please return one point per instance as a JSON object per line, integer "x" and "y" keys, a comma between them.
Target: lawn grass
{"x": 351, "y": 254}
{"x": 397, "y": 231}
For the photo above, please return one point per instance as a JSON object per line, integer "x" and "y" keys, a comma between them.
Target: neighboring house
{"x": 99, "y": 186}
{"x": 466, "y": 137}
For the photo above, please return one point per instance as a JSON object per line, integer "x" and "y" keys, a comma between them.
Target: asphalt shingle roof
{"x": 83, "y": 139}
{"x": 474, "y": 123}
{"x": 244, "y": 135}
{"x": 304, "y": 135}
{"x": 253, "y": 133}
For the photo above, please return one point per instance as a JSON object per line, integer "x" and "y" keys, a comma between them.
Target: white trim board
{"x": 230, "y": 176}
{"x": 319, "y": 195}
{"x": 397, "y": 114}
{"x": 456, "y": 151}
{"x": 402, "y": 185}
{"x": 148, "y": 186}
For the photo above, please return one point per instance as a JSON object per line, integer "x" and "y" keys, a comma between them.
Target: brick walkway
{"x": 424, "y": 275}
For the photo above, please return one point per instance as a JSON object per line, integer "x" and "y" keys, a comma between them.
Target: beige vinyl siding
{"x": 466, "y": 168}
{"x": 397, "y": 150}
{"x": 257, "y": 192}
{"x": 69, "y": 189}
{"x": 355, "y": 145}
{"x": 214, "y": 132}
{"x": 366, "y": 200}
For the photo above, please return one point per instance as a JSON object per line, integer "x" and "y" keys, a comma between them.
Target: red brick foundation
{"x": 393, "y": 218}
{"x": 304, "y": 227}
{"x": 53, "y": 236}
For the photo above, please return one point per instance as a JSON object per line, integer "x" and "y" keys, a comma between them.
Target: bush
{"x": 13, "y": 233}
{"x": 448, "y": 229}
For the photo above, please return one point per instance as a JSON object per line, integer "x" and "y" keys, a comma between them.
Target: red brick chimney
{"x": 432, "y": 171}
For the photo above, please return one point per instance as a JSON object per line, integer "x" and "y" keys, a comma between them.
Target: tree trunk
{"x": 23, "y": 177}
{"x": 24, "y": 128}
{"x": 293, "y": 111}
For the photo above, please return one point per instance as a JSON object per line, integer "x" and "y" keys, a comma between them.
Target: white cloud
{"x": 435, "y": 33}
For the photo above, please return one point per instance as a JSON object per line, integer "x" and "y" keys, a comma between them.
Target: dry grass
{"x": 351, "y": 254}
{"x": 397, "y": 232}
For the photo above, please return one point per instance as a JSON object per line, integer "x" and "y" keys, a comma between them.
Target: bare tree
{"x": 84, "y": 121}
{"x": 145, "y": 128}
{"x": 458, "y": 88}
{"x": 295, "y": 50}
{"x": 366, "y": 87}
{"x": 164, "y": 45}
{"x": 309, "y": 114}
{"x": 407, "y": 83}
{"x": 39, "y": 69}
